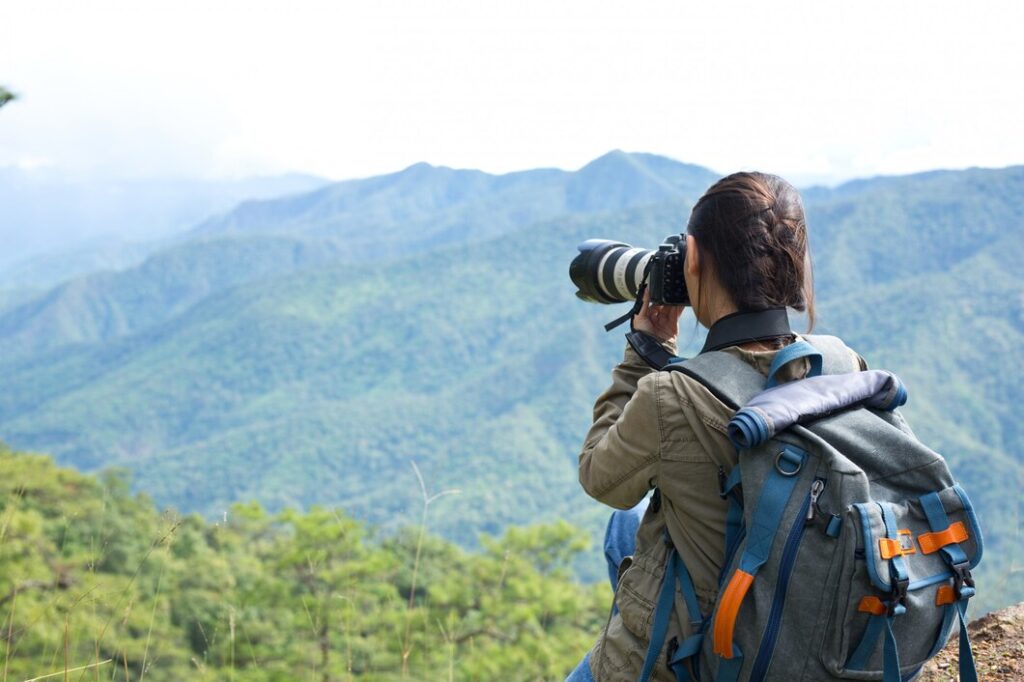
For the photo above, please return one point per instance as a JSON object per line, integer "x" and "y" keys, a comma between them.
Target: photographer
{"x": 746, "y": 261}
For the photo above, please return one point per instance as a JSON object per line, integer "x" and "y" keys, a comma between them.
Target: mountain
{"x": 619, "y": 180}
{"x": 886, "y": 229}
{"x": 278, "y": 361}
{"x": 106, "y": 305}
{"x": 377, "y": 219}
{"x": 425, "y": 207}
{"x": 56, "y": 225}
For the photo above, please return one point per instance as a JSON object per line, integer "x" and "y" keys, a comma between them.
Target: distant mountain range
{"x": 305, "y": 349}
{"x": 54, "y": 225}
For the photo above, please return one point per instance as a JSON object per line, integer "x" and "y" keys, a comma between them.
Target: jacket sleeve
{"x": 618, "y": 464}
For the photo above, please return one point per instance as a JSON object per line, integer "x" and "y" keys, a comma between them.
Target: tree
{"x": 6, "y": 96}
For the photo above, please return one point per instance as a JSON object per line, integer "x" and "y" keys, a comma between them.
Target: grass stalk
{"x": 152, "y": 615}
{"x": 131, "y": 582}
{"x": 427, "y": 499}
{"x": 72, "y": 670}
{"x": 231, "y": 631}
{"x": 10, "y": 632}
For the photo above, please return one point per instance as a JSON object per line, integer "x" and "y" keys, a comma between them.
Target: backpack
{"x": 849, "y": 545}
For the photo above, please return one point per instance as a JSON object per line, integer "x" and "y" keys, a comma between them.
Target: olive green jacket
{"x": 665, "y": 430}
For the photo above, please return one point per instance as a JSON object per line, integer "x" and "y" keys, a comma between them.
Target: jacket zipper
{"x": 771, "y": 634}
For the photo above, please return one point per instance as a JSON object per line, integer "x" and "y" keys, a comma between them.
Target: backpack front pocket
{"x": 905, "y": 571}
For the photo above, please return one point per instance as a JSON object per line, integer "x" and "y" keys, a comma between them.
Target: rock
{"x": 998, "y": 643}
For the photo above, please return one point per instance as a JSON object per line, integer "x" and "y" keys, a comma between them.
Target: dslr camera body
{"x": 613, "y": 272}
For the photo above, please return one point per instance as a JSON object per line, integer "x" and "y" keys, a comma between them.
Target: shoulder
{"x": 839, "y": 357}
{"x": 693, "y": 405}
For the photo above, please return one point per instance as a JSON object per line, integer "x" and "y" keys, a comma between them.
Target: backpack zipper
{"x": 771, "y": 634}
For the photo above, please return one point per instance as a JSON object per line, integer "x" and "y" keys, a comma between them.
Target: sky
{"x": 816, "y": 91}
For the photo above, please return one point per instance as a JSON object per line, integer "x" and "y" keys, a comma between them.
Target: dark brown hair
{"x": 752, "y": 228}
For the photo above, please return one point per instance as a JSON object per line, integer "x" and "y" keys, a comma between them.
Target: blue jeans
{"x": 619, "y": 543}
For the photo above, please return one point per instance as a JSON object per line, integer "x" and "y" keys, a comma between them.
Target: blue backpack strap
{"x": 800, "y": 349}
{"x": 839, "y": 358}
{"x": 963, "y": 582}
{"x": 897, "y": 565}
{"x": 883, "y": 614}
{"x": 734, "y": 531}
{"x": 890, "y": 654}
{"x": 952, "y": 553}
{"x": 764, "y": 525}
{"x": 859, "y": 658}
{"x": 675, "y": 572}
{"x": 968, "y": 673}
{"x": 729, "y": 668}
{"x": 680, "y": 655}
{"x": 900, "y": 581}
{"x": 949, "y": 611}
{"x": 880, "y": 623}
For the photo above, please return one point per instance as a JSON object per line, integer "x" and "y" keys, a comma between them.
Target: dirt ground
{"x": 998, "y": 642}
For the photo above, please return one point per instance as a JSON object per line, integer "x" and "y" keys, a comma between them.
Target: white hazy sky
{"x": 817, "y": 91}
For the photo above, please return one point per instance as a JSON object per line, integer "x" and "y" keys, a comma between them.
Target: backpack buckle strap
{"x": 679, "y": 654}
{"x": 899, "y": 575}
{"x": 946, "y": 538}
{"x": 880, "y": 622}
{"x": 729, "y": 485}
{"x": 676, "y": 578}
{"x": 897, "y": 604}
{"x": 963, "y": 581}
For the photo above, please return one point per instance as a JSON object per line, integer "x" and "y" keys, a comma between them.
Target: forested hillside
{"x": 303, "y": 351}
{"x": 96, "y": 584}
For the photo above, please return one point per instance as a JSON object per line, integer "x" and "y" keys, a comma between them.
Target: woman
{"x": 746, "y": 252}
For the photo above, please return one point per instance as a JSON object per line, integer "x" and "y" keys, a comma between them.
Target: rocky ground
{"x": 998, "y": 642}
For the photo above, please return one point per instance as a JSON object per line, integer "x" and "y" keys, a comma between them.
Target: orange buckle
{"x": 902, "y": 546}
{"x": 945, "y": 595}
{"x": 872, "y": 605}
{"x": 933, "y": 542}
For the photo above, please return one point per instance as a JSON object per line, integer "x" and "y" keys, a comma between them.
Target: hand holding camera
{"x": 660, "y": 321}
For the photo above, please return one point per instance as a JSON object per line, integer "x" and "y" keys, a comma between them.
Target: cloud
{"x": 808, "y": 89}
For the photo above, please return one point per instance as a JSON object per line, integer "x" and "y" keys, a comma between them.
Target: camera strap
{"x": 638, "y": 303}
{"x": 651, "y": 350}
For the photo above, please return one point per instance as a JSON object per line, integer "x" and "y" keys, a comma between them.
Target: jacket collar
{"x": 745, "y": 326}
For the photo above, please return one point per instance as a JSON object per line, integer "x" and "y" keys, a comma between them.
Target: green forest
{"x": 95, "y": 583}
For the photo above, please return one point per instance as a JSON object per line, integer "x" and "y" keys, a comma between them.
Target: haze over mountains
{"x": 55, "y": 224}
{"x": 303, "y": 350}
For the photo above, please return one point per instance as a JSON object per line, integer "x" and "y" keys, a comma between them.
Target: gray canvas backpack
{"x": 849, "y": 545}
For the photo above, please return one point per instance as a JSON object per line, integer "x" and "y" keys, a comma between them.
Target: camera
{"x": 613, "y": 272}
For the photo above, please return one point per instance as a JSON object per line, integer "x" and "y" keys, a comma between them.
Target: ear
{"x": 693, "y": 263}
